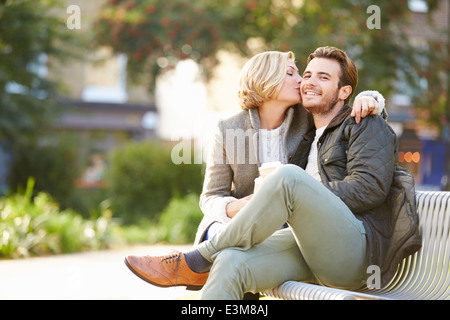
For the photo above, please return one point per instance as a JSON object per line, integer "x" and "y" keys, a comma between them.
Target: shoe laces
{"x": 174, "y": 259}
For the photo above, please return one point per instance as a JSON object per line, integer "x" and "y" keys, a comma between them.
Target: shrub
{"x": 36, "y": 226}
{"x": 142, "y": 233}
{"x": 142, "y": 179}
{"x": 54, "y": 166}
{"x": 179, "y": 222}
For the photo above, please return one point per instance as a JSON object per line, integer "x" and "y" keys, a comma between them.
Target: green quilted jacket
{"x": 357, "y": 162}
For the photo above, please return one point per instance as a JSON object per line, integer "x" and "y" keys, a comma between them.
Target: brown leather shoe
{"x": 166, "y": 271}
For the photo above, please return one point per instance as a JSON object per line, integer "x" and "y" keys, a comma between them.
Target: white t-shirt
{"x": 271, "y": 146}
{"x": 312, "y": 168}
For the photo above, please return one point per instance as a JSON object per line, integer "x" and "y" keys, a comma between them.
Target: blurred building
{"x": 99, "y": 104}
{"x": 100, "y": 96}
{"x": 422, "y": 150}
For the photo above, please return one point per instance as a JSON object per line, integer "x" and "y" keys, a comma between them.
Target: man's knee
{"x": 229, "y": 275}
{"x": 232, "y": 264}
{"x": 231, "y": 259}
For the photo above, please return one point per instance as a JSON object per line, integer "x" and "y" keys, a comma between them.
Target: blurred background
{"x": 95, "y": 96}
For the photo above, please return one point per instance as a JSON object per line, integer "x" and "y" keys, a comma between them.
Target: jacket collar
{"x": 254, "y": 118}
{"x": 335, "y": 122}
{"x": 256, "y": 122}
{"x": 340, "y": 117}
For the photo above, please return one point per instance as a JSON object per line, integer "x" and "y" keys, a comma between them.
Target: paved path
{"x": 91, "y": 275}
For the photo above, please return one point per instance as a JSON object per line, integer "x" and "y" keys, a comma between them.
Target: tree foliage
{"x": 30, "y": 34}
{"x": 151, "y": 31}
{"x": 155, "y": 34}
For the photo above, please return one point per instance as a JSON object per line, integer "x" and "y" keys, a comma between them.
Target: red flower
{"x": 172, "y": 34}
{"x": 165, "y": 22}
{"x": 138, "y": 55}
{"x": 129, "y": 5}
{"x": 251, "y": 5}
{"x": 133, "y": 32}
{"x": 150, "y": 9}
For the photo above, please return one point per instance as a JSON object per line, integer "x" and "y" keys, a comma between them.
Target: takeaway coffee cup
{"x": 268, "y": 167}
{"x": 264, "y": 171}
{"x": 258, "y": 182}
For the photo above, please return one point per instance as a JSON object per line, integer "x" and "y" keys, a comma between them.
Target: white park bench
{"x": 424, "y": 275}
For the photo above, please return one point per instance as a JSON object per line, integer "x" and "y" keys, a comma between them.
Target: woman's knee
{"x": 289, "y": 170}
{"x": 291, "y": 174}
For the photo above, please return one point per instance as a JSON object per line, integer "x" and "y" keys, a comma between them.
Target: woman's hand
{"x": 364, "y": 106}
{"x": 234, "y": 207}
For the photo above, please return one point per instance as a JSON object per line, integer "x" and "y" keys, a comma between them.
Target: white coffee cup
{"x": 268, "y": 167}
{"x": 264, "y": 171}
{"x": 258, "y": 182}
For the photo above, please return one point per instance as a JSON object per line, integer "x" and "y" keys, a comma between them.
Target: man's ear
{"x": 344, "y": 92}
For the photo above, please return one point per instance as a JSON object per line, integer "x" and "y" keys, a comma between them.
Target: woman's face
{"x": 290, "y": 90}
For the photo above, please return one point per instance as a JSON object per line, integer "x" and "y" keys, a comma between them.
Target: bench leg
{"x": 251, "y": 296}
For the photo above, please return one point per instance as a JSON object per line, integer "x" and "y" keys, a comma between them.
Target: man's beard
{"x": 325, "y": 106}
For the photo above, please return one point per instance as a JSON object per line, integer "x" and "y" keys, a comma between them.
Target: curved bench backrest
{"x": 426, "y": 275}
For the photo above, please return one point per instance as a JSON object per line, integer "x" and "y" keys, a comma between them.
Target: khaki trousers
{"x": 324, "y": 243}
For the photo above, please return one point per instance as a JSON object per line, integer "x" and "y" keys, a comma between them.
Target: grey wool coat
{"x": 233, "y": 160}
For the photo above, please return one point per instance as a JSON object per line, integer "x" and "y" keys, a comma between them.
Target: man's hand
{"x": 234, "y": 207}
{"x": 364, "y": 106}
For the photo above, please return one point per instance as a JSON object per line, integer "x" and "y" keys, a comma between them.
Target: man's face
{"x": 319, "y": 87}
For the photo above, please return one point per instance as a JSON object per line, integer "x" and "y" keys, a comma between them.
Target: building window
{"x": 418, "y": 5}
{"x": 105, "y": 77}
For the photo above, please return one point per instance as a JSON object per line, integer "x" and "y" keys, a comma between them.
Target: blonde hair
{"x": 262, "y": 77}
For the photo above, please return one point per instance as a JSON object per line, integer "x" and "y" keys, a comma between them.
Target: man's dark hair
{"x": 349, "y": 72}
